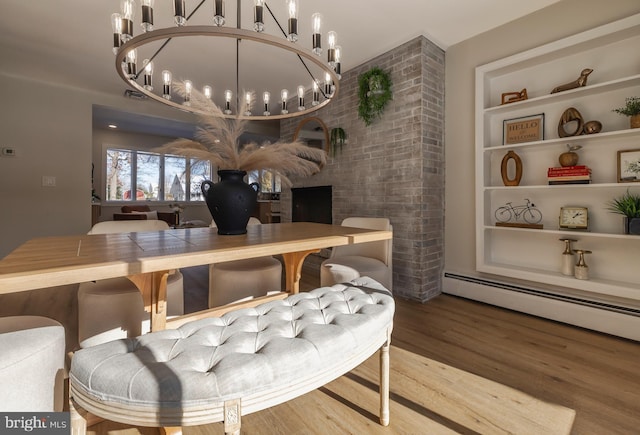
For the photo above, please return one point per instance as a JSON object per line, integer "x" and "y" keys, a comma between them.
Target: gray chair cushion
{"x": 271, "y": 346}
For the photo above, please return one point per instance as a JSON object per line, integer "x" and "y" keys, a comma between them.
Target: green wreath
{"x": 374, "y": 92}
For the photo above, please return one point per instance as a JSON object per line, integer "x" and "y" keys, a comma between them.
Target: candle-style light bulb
{"x": 266, "y": 96}
{"x": 284, "y": 97}
{"x": 147, "y": 15}
{"x": 247, "y": 100}
{"x": 301, "y": 97}
{"x": 179, "y": 12}
{"x": 218, "y": 12}
{"x": 132, "y": 70}
{"x": 228, "y": 95}
{"x": 116, "y": 25}
{"x": 127, "y": 10}
{"x": 258, "y": 15}
{"x": 148, "y": 73}
{"x": 292, "y": 8}
{"x": 207, "y": 91}
{"x": 336, "y": 67}
{"x": 328, "y": 84}
{"x": 316, "y": 26}
{"x": 316, "y": 94}
{"x": 166, "y": 84}
{"x": 188, "y": 86}
{"x": 332, "y": 40}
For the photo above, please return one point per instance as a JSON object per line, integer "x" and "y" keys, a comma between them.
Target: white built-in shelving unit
{"x": 535, "y": 255}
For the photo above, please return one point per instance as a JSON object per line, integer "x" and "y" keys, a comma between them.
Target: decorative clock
{"x": 574, "y": 218}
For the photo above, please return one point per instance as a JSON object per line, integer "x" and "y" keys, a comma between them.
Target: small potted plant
{"x": 628, "y": 205}
{"x": 632, "y": 110}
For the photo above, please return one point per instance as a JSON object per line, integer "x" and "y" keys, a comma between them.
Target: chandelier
{"x": 198, "y": 49}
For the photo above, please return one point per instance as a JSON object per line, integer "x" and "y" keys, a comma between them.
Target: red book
{"x": 564, "y": 168}
{"x": 568, "y": 174}
{"x": 569, "y": 170}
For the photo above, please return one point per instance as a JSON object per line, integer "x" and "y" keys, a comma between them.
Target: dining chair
{"x": 241, "y": 280}
{"x": 32, "y": 366}
{"x": 372, "y": 259}
{"x": 110, "y": 309}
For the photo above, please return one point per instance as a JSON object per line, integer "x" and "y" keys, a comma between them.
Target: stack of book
{"x": 569, "y": 175}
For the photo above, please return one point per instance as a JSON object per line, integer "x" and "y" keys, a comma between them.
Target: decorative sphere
{"x": 592, "y": 127}
{"x": 568, "y": 159}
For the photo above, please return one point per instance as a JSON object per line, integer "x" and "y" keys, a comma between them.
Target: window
{"x": 156, "y": 177}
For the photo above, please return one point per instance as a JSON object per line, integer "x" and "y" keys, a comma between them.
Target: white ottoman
{"x": 239, "y": 280}
{"x": 111, "y": 309}
{"x": 31, "y": 364}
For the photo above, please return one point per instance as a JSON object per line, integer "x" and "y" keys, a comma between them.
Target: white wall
{"x": 50, "y": 128}
{"x": 554, "y": 22}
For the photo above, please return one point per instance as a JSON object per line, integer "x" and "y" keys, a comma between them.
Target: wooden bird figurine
{"x": 580, "y": 81}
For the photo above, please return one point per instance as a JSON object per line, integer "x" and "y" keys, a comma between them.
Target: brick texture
{"x": 395, "y": 167}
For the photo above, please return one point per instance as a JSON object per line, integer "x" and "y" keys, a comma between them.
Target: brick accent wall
{"x": 395, "y": 167}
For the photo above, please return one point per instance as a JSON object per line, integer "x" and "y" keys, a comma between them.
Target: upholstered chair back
{"x": 380, "y": 250}
{"x": 111, "y": 227}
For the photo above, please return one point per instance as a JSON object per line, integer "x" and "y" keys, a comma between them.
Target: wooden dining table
{"x": 148, "y": 258}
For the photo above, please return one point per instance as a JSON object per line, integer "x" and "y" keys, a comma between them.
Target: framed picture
{"x": 628, "y": 166}
{"x": 525, "y": 129}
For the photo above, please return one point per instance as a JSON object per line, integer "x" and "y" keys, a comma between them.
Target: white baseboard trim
{"x": 610, "y": 319}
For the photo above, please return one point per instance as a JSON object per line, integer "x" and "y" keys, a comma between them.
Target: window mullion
{"x": 187, "y": 179}
{"x": 134, "y": 176}
{"x": 161, "y": 195}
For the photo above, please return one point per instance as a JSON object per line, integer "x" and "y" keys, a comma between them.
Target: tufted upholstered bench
{"x": 219, "y": 368}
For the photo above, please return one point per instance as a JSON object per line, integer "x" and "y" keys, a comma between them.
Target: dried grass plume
{"x": 217, "y": 139}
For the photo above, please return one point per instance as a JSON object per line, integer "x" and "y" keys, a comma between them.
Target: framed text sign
{"x": 525, "y": 129}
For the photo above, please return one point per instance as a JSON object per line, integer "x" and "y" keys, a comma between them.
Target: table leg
{"x": 293, "y": 269}
{"x": 153, "y": 286}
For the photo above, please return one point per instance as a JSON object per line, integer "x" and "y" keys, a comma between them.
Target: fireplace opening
{"x": 311, "y": 204}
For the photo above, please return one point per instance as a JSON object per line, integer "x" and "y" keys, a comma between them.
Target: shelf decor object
{"x": 569, "y": 116}
{"x": 570, "y": 157}
{"x": 198, "y": 47}
{"x": 574, "y": 218}
{"x": 581, "y": 270}
{"x": 524, "y": 129}
{"x": 509, "y": 216}
{"x": 629, "y": 166}
{"x": 504, "y": 169}
{"x": 579, "y": 174}
{"x": 632, "y": 110}
{"x": 627, "y": 205}
{"x": 568, "y": 258}
{"x": 580, "y": 81}
{"x": 512, "y": 97}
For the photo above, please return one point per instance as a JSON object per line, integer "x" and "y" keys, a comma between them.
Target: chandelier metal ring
{"x": 226, "y": 32}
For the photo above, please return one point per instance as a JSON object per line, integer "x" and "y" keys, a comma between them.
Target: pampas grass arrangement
{"x": 217, "y": 139}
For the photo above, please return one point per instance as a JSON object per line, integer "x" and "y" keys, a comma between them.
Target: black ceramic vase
{"x": 231, "y": 201}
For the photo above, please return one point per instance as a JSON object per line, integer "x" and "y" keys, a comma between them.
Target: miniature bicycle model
{"x": 529, "y": 213}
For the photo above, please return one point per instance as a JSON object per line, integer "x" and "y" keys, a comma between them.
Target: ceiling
{"x": 69, "y": 41}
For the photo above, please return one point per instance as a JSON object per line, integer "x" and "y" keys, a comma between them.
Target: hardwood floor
{"x": 433, "y": 345}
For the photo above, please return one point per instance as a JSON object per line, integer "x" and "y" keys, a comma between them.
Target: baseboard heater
{"x": 546, "y": 294}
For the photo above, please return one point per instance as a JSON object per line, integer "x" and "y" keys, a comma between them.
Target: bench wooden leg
{"x": 232, "y": 413}
{"x": 384, "y": 382}
{"x": 78, "y": 418}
